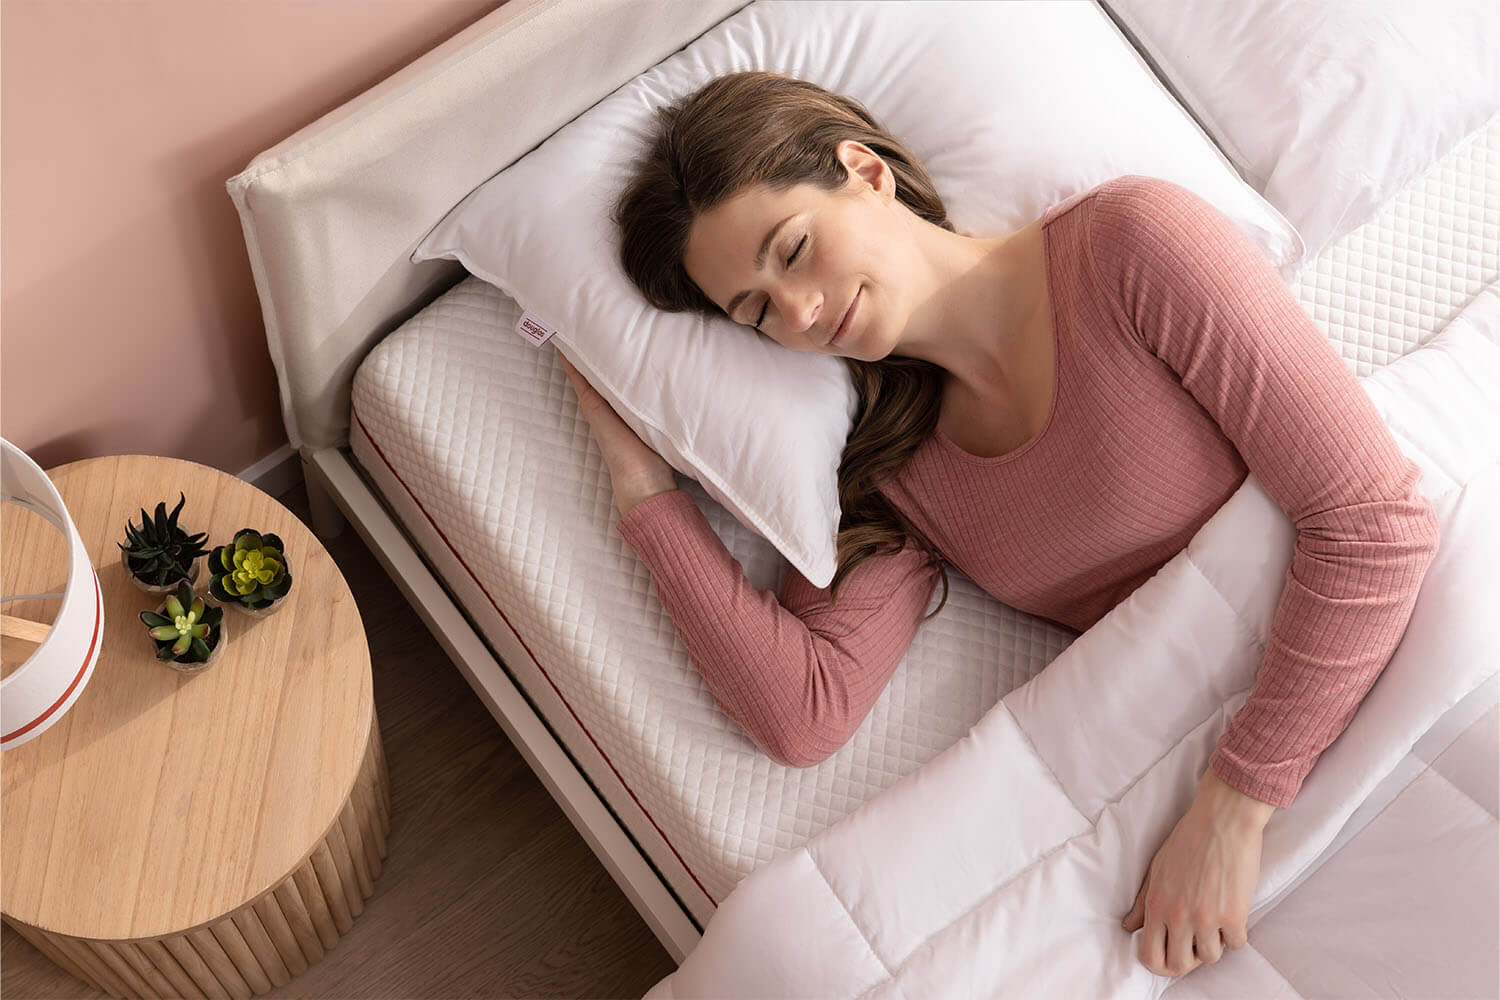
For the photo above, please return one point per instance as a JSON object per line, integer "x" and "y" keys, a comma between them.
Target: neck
{"x": 982, "y": 295}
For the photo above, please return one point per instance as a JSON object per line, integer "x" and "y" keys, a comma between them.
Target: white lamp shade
{"x": 41, "y": 690}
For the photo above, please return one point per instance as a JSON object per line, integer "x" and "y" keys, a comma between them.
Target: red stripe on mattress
{"x": 371, "y": 438}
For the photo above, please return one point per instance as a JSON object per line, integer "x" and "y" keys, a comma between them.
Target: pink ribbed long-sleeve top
{"x": 1182, "y": 362}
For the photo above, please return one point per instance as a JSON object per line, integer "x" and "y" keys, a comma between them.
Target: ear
{"x": 866, "y": 167}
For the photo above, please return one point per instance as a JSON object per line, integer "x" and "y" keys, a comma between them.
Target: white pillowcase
{"x": 1011, "y": 107}
{"x": 1328, "y": 109}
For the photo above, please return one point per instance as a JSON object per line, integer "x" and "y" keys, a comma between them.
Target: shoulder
{"x": 1140, "y": 224}
{"x": 1131, "y": 201}
{"x": 1120, "y": 213}
{"x": 1142, "y": 188}
{"x": 1127, "y": 194}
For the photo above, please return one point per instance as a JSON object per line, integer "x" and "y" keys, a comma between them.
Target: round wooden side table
{"x": 204, "y": 835}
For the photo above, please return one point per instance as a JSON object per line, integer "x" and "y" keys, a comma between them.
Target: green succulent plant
{"x": 190, "y": 629}
{"x": 159, "y": 551}
{"x": 252, "y": 571}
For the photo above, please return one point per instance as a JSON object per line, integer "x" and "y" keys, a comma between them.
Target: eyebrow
{"x": 760, "y": 263}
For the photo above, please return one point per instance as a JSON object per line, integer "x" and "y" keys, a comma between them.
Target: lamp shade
{"x": 41, "y": 690}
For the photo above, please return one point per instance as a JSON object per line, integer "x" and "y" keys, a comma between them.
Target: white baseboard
{"x": 277, "y": 473}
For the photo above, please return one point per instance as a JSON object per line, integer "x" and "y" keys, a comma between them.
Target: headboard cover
{"x": 332, "y": 213}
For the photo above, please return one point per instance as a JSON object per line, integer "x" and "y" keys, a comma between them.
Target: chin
{"x": 870, "y": 347}
{"x": 856, "y": 348}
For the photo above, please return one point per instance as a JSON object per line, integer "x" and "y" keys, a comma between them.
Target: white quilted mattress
{"x": 474, "y": 439}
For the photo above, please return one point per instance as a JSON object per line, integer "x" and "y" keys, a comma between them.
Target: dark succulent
{"x": 189, "y": 630}
{"x": 159, "y": 551}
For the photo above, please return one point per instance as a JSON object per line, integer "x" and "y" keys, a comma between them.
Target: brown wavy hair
{"x": 753, "y": 128}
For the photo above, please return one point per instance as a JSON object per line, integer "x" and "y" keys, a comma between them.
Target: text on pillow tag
{"x": 534, "y": 330}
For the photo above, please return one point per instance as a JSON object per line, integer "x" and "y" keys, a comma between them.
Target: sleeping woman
{"x": 1055, "y": 411}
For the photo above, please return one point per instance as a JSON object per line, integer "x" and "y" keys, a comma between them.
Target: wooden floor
{"x": 487, "y": 890}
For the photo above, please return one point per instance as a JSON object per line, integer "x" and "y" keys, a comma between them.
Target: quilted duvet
{"x": 1002, "y": 867}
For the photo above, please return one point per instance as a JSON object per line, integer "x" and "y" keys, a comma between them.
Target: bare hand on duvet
{"x": 636, "y": 472}
{"x": 1195, "y": 899}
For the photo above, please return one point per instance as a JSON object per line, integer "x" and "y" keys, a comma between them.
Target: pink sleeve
{"x": 1201, "y": 296}
{"x": 798, "y": 676}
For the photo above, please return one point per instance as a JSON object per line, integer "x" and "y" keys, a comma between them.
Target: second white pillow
{"x": 1328, "y": 109}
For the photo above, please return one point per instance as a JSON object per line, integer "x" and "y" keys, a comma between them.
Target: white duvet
{"x": 1004, "y": 865}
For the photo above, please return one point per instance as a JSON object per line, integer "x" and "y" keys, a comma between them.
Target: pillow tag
{"x": 534, "y": 330}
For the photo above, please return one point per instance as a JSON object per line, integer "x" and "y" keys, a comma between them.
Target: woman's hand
{"x": 635, "y": 471}
{"x": 1195, "y": 899}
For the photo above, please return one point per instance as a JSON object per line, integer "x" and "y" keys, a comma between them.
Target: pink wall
{"x": 129, "y": 322}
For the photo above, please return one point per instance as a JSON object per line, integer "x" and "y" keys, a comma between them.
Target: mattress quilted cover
{"x": 1003, "y": 866}
{"x": 473, "y": 439}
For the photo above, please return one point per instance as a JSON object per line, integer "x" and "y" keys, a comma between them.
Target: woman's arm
{"x": 1200, "y": 296}
{"x": 798, "y": 675}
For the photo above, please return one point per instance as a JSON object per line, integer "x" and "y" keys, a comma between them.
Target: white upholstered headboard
{"x": 332, "y": 213}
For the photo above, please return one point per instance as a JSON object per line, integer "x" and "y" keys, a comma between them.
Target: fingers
{"x": 1208, "y": 943}
{"x": 1153, "y": 947}
{"x": 1167, "y": 952}
{"x": 1137, "y": 915}
{"x": 580, "y": 384}
{"x": 1175, "y": 951}
{"x": 633, "y": 465}
{"x": 1179, "y": 949}
{"x": 596, "y": 409}
{"x": 1174, "y": 943}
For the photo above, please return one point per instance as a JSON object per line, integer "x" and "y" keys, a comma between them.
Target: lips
{"x": 843, "y": 322}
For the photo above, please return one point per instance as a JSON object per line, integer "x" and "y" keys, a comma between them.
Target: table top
{"x": 163, "y": 800}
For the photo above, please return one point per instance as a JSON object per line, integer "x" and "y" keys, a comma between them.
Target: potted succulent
{"x": 251, "y": 573}
{"x": 187, "y": 630}
{"x": 161, "y": 554}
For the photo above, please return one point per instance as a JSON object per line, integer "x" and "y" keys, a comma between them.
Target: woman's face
{"x": 821, "y": 250}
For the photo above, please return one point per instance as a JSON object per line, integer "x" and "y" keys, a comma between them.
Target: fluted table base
{"x": 269, "y": 939}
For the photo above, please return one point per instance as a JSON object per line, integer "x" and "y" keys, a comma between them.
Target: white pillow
{"x": 1011, "y": 107}
{"x": 1328, "y": 109}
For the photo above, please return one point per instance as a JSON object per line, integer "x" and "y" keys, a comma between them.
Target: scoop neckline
{"x": 1017, "y": 452}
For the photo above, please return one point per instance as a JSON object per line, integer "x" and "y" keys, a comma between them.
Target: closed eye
{"x": 789, "y": 260}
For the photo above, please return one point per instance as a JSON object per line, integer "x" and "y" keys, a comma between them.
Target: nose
{"x": 799, "y": 305}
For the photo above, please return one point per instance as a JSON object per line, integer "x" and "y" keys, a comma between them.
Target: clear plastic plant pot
{"x": 264, "y": 612}
{"x": 214, "y": 653}
{"x": 164, "y": 588}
